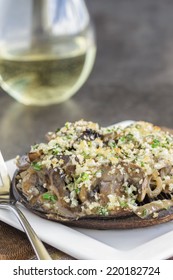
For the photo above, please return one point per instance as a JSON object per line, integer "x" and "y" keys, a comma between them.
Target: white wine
{"x": 46, "y": 75}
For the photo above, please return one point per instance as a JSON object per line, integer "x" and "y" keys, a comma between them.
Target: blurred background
{"x": 132, "y": 77}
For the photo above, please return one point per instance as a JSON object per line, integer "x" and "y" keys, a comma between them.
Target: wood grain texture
{"x": 14, "y": 245}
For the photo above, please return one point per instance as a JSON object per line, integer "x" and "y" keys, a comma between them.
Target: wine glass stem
{"x": 39, "y": 18}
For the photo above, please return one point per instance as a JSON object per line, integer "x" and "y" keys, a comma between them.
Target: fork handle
{"x": 35, "y": 241}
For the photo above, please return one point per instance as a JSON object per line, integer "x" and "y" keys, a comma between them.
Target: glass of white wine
{"x": 47, "y": 49}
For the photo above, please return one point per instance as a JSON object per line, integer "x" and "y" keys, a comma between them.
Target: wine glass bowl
{"x": 47, "y": 52}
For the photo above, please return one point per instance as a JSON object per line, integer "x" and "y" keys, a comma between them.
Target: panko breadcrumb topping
{"x": 105, "y": 170}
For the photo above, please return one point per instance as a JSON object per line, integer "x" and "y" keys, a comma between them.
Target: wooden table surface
{"x": 132, "y": 77}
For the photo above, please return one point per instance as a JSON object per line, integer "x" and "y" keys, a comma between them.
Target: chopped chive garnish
{"x": 82, "y": 178}
{"x": 77, "y": 190}
{"x": 55, "y": 151}
{"x": 155, "y": 143}
{"x": 85, "y": 155}
{"x": 126, "y": 138}
{"x": 36, "y": 166}
{"x": 123, "y": 204}
{"x": 67, "y": 125}
{"x": 144, "y": 212}
{"x": 112, "y": 144}
{"x": 35, "y": 146}
{"x": 103, "y": 211}
{"x": 49, "y": 196}
{"x": 129, "y": 136}
{"x": 122, "y": 139}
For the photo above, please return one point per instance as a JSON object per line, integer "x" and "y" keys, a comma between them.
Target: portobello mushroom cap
{"x": 36, "y": 184}
{"x": 125, "y": 221}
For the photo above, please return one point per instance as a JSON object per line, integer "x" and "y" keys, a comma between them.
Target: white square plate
{"x": 146, "y": 243}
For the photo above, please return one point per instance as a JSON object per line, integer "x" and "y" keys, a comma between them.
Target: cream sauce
{"x": 152, "y": 207}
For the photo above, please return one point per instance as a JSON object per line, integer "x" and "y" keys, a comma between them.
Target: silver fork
{"x": 7, "y": 203}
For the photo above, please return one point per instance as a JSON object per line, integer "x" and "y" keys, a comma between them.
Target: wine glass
{"x": 47, "y": 49}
